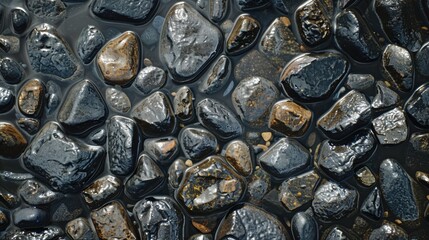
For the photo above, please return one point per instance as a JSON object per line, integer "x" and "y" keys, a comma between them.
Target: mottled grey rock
{"x": 218, "y": 9}
{"x": 299, "y": 190}
{"x": 359, "y": 82}
{"x": 188, "y": 42}
{"x": 90, "y": 41}
{"x": 304, "y": 227}
{"x": 36, "y": 193}
{"x": 388, "y": 231}
{"x": 372, "y": 206}
{"x": 47, "y": 8}
{"x": 245, "y": 5}
{"x": 385, "y": 97}
{"x": 48, "y": 233}
{"x": 30, "y": 125}
{"x": 65, "y": 210}
{"x": 9, "y": 44}
{"x": 11, "y": 71}
{"x": 137, "y": 11}
{"x": 150, "y": 79}
{"x": 391, "y": 127}
{"x": 240, "y": 156}
{"x": 65, "y": 164}
{"x": 285, "y": 158}
{"x": 118, "y": 100}
{"x": 397, "y": 67}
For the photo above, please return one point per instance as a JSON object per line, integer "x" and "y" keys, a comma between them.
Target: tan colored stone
{"x": 30, "y": 100}
{"x": 289, "y": 118}
{"x": 12, "y": 142}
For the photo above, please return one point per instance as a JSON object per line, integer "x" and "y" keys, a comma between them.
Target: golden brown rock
{"x": 289, "y": 118}
{"x": 31, "y": 96}
{"x": 12, "y": 142}
{"x": 238, "y": 155}
{"x": 118, "y": 60}
{"x": 205, "y": 225}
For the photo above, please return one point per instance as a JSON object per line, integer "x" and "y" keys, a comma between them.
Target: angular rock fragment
{"x": 11, "y": 71}
{"x": 134, "y": 11}
{"x": 162, "y": 150}
{"x": 278, "y": 43}
{"x": 217, "y": 76}
{"x": 243, "y": 35}
{"x": 372, "y": 206}
{"x": 90, "y": 41}
{"x": 175, "y": 172}
{"x": 298, "y": 190}
{"x": 417, "y": 106}
{"x": 30, "y": 217}
{"x": 333, "y": 201}
{"x": 313, "y": 23}
{"x": 20, "y": 20}
{"x": 188, "y": 42}
{"x": 285, "y": 158}
{"x": 210, "y": 186}
{"x": 102, "y": 190}
{"x": 112, "y": 222}
{"x": 50, "y": 54}
{"x": 83, "y": 108}
{"x": 12, "y": 142}
{"x": 159, "y": 218}
{"x": 47, "y": 9}
{"x": 422, "y": 60}
{"x": 365, "y": 176}
{"x": 65, "y": 210}
{"x": 31, "y": 97}
{"x": 150, "y": 78}
{"x": 147, "y": 177}
{"x": 400, "y": 22}
{"x": 359, "y": 82}
{"x": 239, "y": 155}
{"x": 183, "y": 104}
{"x": 65, "y": 164}
{"x": 30, "y": 125}
{"x": 249, "y": 222}
{"x": 98, "y": 137}
{"x": 348, "y": 114}
{"x": 355, "y": 38}
{"x": 252, "y": 99}
{"x": 79, "y": 228}
{"x": 289, "y": 118}
{"x": 385, "y": 97}
{"x": 304, "y": 226}
{"x": 338, "y": 158}
{"x": 397, "y": 67}
{"x": 398, "y": 192}
{"x": 119, "y": 59}
{"x": 388, "y": 231}
{"x": 36, "y": 193}
{"x": 197, "y": 143}
{"x": 391, "y": 127}
{"x": 154, "y": 115}
{"x": 313, "y": 77}
{"x": 218, "y": 119}
{"x": 218, "y": 9}
{"x": 118, "y": 100}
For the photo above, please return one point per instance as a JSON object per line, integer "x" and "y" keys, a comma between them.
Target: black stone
{"x": 147, "y": 177}
{"x": 154, "y": 115}
{"x": 188, "y": 42}
{"x": 397, "y": 67}
{"x": 98, "y": 136}
{"x": 304, "y": 227}
{"x": 418, "y": 151}
{"x": 9, "y": 199}
{"x": 243, "y": 35}
{"x": 150, "y": 78}
{"x": 259, "y": 185}
{"x": 353, "y": 36}
{"x": 359, "y": 82}
{"x": 400, "y": 22}
{"x": 83, "y": 108}
{"x": 218, "y": 9}
{"x": 388, "y": 231}
{"x": 20, "y": 20}
{"x": 197, "y": 143}
{"x": 313, "y": 77}
{"x": 385, "y": 97}
{"x": 218, "y": 119}
{"x": 47, "y": 9}
{"x": 249, "y": 222}
{"x": 36, "y": 193}
{"x": 66, "y": 210}
{"x": 65, "y": 164}
{"x": 417, "y": 106}
{"x": 123, "y": 143}
{"x": 90, "y": 41}
{"x": 245, "y": 5}
{"x": 285, "y": 158}
{"x": 349, "y": 113}
{"x": 333, "y": 201}
{"x": 422, "y": 60}
{"x": 163, "y": 149}
{"x": 337, "y": 159}
{"x": 175, "y": 173}
{"x": 6, "y": 99}
{"x": 159, "y": 218}
{"x": 372, "y": 206}
{"x": 30, "y": 218}
{"x": 313, "y": 23}
{"x": 30, "y": 125}
{"x": 398, "y": 192}
{"x": 217, "y": 76}
{"x": 137, "y": 11}
{"x": 50, "y": 54}
{"x": 339, "y": 233}
{"x": 11, "y": 71}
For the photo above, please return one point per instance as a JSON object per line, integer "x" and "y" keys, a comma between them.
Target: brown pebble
{"x": 267, "y": 136}
{"x": 205, "y": 225}
{"x": 189, "y": 163}
{"x": 31, "y": 95}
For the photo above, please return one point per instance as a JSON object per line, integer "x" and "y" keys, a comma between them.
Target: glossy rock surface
{"x": 298, "y": 190}
{"x": 289, "y": 118}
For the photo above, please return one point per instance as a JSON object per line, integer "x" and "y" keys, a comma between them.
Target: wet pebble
{"x": 210, "y": 186}
{"x": 11, "y": 71}
{"x": 64, "y": 163}
{"x": 79, "y": 228}
{"x": 333, "y": 201}
{"x": 245, "y": 5}
{"x": 284, "y": 158}
{"x": 154, "y": 115}
{"x": 66, "y": 210}
{"x": 90, "y": 41}
{"x": 31, "y": 97}
{"x": 304, "y": 227}
{"x": 254, "y": 64}
{"x": 175, "y": 172}
{"x": 240, "y": 156}
{"x": 243, "y": 35}
{"x": 422, "y": 178}
{"x": 132, "y": 11}
{"x": 359, "y": 82}
{"x": 36, "y": 193}
{"x": 346, "y": 115}
{"x": 9, "y": 44}
{"x": 365, "y": 176}
{"x": 259, "y": 185}
{"x": 162, "y": 150}
{"x": 147, "y": 177}
{"x": 388, "y": 231}
{"x": 183, "y": 104}
{"x": 188, "y": 42}
{"x": 98, "y": 137}
{"x": 118, "y": 100}
{"x": 391, "y": 127}
{"x": 119, "y": 59}
{"x": 252, "y": 100}
{"x": 422, "y": 60}
{"x": 102, "y": 190}
{"x": 123, "y": 140}
{"x": 249, "y": 222}
{"x": 417, "y": 106}
{"x": 30, "y": 125}
{"x": 30, "y": 218}
{"x": 289, "y": 118}
{"x": 217, "y": 76}
{"x": 150, "y": 79}
{"x": 313, "y": 77}
{"x": 83, "y": 108}
{"x": 12, "y": 142}
{"x": 20, "y": 20}
{"x": 339, "y": 233}
{"x": 218, "y": 9}
{"x": 372, "y": 205}
{"x": 47, "y": 9}
{"x": 385, "y": 97}
{"x": 112, "y": 222}
{"x": 197, "y": 143}
{"x": 48, "y": 233}
{"x": 397, "y": 67}
{"x": 159, "y": 218}
{"x": 313, "y": 23}
{"x": 299, "y": 190}
{"x": 9, "y": 199}
{"x": 6, "y": 99}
